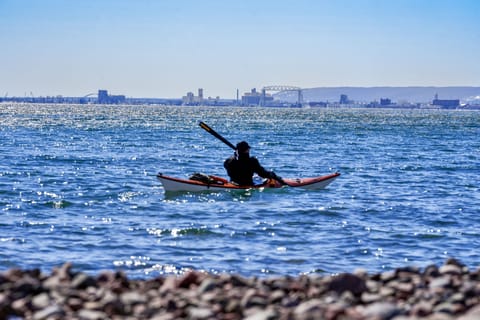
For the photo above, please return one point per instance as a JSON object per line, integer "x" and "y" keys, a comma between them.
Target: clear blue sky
{"x": 163, "y": 48}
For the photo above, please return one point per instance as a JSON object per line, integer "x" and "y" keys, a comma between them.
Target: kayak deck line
{"x": 215, "y": 183}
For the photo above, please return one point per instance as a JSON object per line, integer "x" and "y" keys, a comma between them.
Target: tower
{"x": 102, "y": 96}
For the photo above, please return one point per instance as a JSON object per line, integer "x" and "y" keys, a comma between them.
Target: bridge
{"x": 282, "y": 88}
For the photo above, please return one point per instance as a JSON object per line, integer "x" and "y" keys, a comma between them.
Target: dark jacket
{"x": 241, "y": 170}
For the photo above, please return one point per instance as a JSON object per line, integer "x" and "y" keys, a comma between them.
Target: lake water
{"x": 78, "y": 183}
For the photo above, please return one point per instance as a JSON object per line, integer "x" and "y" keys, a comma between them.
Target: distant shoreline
{"x": 313, "y": 106}
{"x": 383, "y": 96}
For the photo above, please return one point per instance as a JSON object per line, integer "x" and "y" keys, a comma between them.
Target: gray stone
{"x": 52, "y": 282}
{"x": 308, "y": 307}
{"x": 439, "y": 316}
{"x": 233, "y": 305}
{"x": 457, "y": 297}
{"x": 441, "y": 282}
{"x": 448, "y": 307}
{"x": 64, "y": 272}
{"x": 86, "y": 314}
{"x": 386, "y": 292}
{"x": 83, "y": 281}
{"x": 49, "y": 312}
{"x": 19, "y": 305}
{"x": 199, "y": 313}
{"x": 388, "y": 275}
{"x": 207, "y": 285}
{"x": 450, "y": 269}
{"x": 276, "y": 296}
{"x": 163, "y": 316}
{"x": 368, "y": 298}
{"x": 268, "y": 314}
{"x": 41, "y": 301}
{"x": 133, "y": 297}
{"x": 381, "y": 311}
{"x": 169, "y": 284}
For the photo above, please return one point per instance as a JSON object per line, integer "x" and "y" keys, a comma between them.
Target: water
{"x": 77, "y": 183}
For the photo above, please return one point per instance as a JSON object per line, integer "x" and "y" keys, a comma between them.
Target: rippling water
{"x": 77, "y": 183}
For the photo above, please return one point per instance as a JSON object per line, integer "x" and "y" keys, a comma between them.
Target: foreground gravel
{"x": 450, "y": 291}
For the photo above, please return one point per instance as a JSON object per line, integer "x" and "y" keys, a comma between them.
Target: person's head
{"x": 243, "y": 147}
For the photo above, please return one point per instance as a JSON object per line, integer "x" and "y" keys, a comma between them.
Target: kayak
{"x": 202, "y": 182}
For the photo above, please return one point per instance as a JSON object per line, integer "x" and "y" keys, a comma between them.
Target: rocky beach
{"x": 449, "y": 291}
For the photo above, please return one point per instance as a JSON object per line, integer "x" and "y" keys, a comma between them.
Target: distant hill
{"x": 396, "y": 94}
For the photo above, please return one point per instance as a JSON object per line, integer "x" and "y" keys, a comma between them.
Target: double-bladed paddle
{"x": 228, "y": 143}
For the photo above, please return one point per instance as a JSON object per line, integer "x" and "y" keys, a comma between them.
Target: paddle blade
{"x": 204, "y": 126}
{"x": 216, "y": 135}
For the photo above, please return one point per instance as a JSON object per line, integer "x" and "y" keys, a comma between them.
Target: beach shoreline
{"x": 449, "y": 291}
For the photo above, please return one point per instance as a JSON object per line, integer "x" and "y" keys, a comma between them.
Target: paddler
{"x": 241, "y": 167}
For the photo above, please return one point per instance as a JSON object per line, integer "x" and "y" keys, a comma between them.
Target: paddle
{"x": 228, "y": 143}
{"x": 216, "y": 135}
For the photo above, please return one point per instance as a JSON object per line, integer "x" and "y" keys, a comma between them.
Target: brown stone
{"x": 188, "y": 279}
{"x": 347, "y": 282}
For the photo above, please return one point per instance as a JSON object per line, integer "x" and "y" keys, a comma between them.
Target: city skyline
{"x": 350, "y": 97}
{"x": 165, "y": 49}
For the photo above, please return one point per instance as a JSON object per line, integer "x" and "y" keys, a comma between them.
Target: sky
{"x": 166, "y": 48}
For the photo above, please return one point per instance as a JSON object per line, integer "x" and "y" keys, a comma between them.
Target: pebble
{"x": 446, "y": 292}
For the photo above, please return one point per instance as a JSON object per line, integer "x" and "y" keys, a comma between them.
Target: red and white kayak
{"x": 214, "y": 183}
